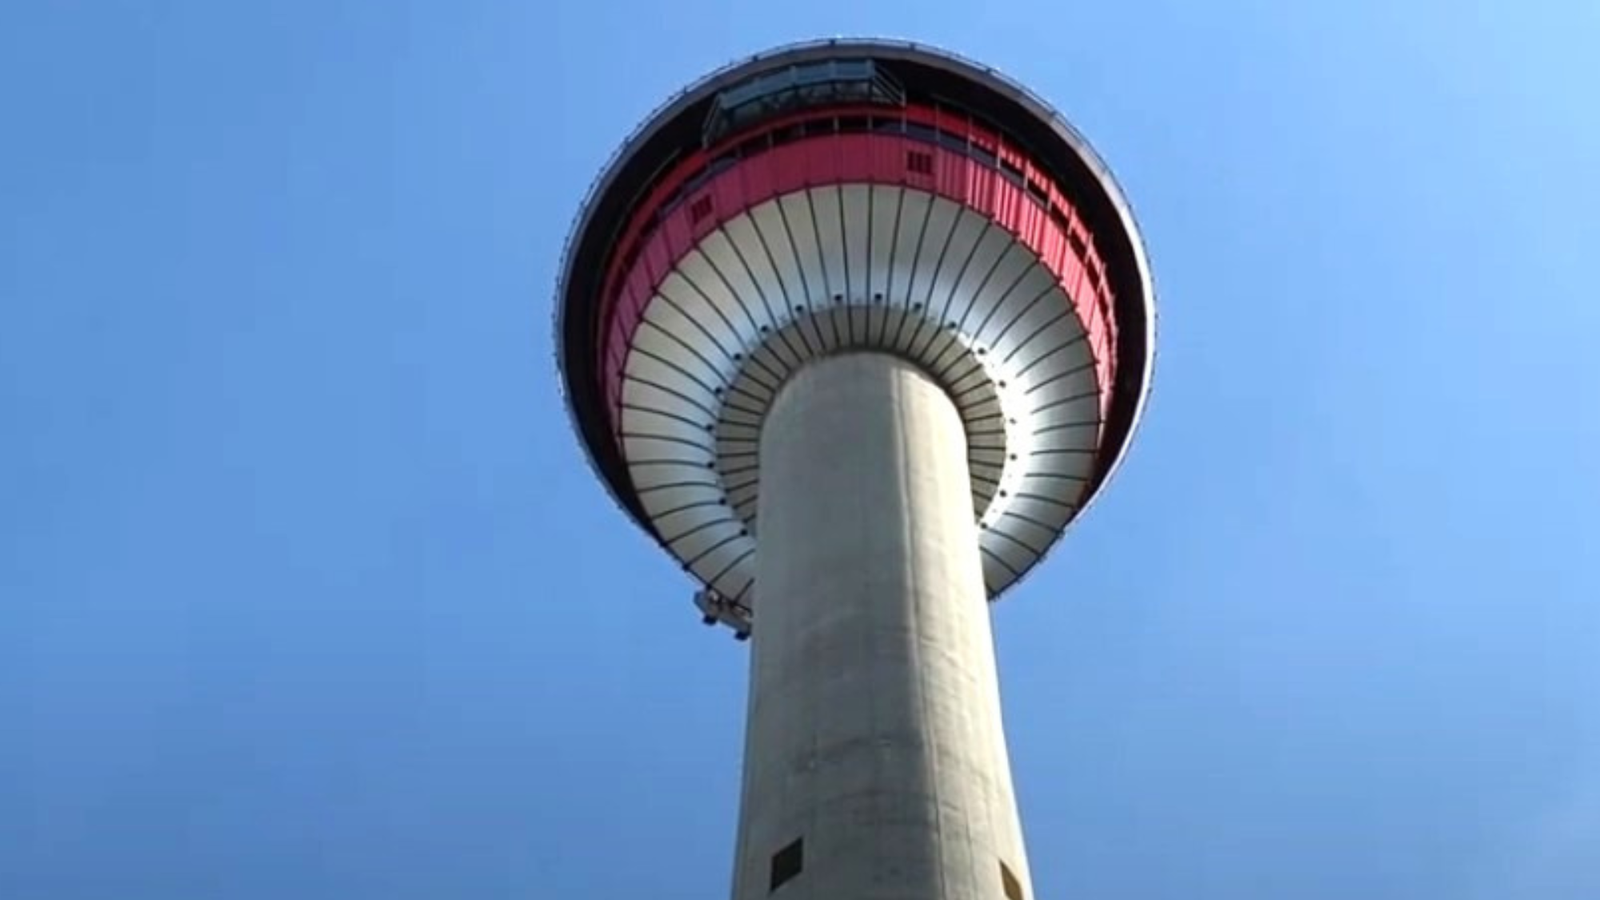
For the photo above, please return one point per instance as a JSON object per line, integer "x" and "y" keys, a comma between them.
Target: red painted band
{"x": 1061, "y": 241}
{"x": 961, "y": 127}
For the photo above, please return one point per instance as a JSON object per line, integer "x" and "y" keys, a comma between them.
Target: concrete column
{"x": 874, "y": 733}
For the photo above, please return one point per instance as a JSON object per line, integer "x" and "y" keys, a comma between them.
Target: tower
{"x": 854, "y": 330}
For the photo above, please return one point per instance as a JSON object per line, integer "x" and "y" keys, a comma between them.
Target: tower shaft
{"x": 875, "y": 760}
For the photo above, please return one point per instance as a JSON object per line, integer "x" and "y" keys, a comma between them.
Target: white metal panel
{"x": 855, "y": 235}
{"x": 954, "y": 258}
{"x": 771, "y": 233}
{"x": 914, "y": 212}
{"x": 977, "y": 272}
{"x": 934, "y": 238}
{"x": 827, "y": 223}
{"x": 665, "y": 344}
{"x": 708, "y": 329}
{"x": 885, "y": 225}
{"x": 731, "y": 310}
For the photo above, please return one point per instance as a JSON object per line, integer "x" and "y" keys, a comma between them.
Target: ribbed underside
{"x": 945, "y": 287}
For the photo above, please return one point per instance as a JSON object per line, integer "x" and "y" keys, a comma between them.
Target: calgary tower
{"x": 854, "y": 330}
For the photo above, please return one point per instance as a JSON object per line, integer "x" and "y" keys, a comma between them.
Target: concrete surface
{"x": 874, "y": 730}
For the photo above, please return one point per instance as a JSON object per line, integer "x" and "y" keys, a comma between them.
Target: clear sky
{"x": 306, "y": 590}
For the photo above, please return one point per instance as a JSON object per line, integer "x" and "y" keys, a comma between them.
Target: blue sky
{"x": 306, "y": 591}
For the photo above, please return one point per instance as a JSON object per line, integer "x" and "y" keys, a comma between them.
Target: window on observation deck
{"x": 822, "y": 83}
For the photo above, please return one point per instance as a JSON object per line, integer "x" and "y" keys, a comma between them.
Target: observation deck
{"x": 848, "y": 196}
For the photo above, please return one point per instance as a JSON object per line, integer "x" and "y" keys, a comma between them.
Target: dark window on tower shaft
{"x": 786, "y": 863}
{"x": 1010, "y": 884}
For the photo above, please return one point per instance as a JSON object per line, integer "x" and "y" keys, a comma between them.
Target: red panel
{"x": 700, "y": 224}
{"x": 789, "y": 168}
{"x": 1076, "y": 227}
{"x": 1053, "y": 248}
{"x": 857, "y": 158}
{"x": 757, "y": 175}
{"x": 821, "y": 163}
{"x": 1009, "y": 154}
{"x": 1005, "y": 202}
{"x": 639, "y": 287}
{"x": 729, "y": 194}
{"x": 1088, "y": 307}
{"x": 676, "y": 228}
{"x": 1078, "y": 291}
{"x": 628, "y": 314}
{"x": 984, "y": 189}
{"x": 926, "y": 181}
{"x": 1031, "y": 173}
{"x": 888, "y": 160}
{"x": 1013, "y": 212}
{"x": 617, "y": 332}
{"x": 657, "y": 260}
{"x": 1043, "y": 228}
{"x": 1060, "y": 202}
{"x": 1071, "y": 272}
{"x": 1029, "y": 220}
{"x": 991, "y": 141}
{"x": 613, "y": 375}
{"x": 952, "y": 171}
